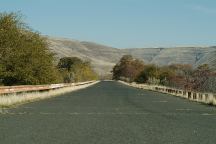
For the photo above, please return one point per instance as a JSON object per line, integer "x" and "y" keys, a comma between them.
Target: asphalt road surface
{"x": 109, "y": 113}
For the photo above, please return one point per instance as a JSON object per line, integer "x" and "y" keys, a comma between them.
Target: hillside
{"x": 103, "y": 58}
{"x": 209, "y": 58}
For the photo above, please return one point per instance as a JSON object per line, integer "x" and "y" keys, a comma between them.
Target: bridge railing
{"x": 15, "y": 95}
{"x": 208, "y": 98}
{"x": 32, "y": 88}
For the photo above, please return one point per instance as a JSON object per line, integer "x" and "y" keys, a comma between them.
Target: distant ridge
{"x": 103, "y": 57}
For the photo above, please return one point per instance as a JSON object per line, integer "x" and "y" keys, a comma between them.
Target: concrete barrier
{"x": 207, "y": 98}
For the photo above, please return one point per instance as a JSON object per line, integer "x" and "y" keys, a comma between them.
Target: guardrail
{"x": 32, "y": 88}
{"x": 15, "y": 95}
{"x": 208, "y": 98}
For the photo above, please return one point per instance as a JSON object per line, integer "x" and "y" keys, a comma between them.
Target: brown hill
{"x": 103, "y": 58}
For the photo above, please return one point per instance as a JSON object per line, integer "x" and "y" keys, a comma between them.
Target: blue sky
{"x": 122, "y": 23}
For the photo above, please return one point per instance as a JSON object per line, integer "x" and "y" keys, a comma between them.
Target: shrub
{"x": 24, "y": 55}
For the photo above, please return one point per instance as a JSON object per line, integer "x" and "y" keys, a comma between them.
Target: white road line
{"x": 44, "y": 113}
{"x": 183, "y": 109}
{"x": 161, "y": 101}
{"x": 207, "y": 114}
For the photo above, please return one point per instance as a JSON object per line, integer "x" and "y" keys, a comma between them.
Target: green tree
{"x": 74, "y": 69}
{"x": 68, "y": 62}
{"x": 150, "y": 74}
{"x": 66, "y": 66}
{"x": 24, "y": 55}
{"x": 165, "y": 75}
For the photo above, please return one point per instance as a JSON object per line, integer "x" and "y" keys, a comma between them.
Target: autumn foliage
{"x": 181, "y": 76}
{"x": 127, "y": 68}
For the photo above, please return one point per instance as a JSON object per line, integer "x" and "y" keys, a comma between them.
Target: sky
{"x": 122, "y": 23}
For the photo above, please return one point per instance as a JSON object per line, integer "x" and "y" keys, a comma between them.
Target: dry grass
{"x": 16, "y": 99}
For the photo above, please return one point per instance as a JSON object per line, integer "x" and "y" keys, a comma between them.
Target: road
{"x": 110, "y": 113}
